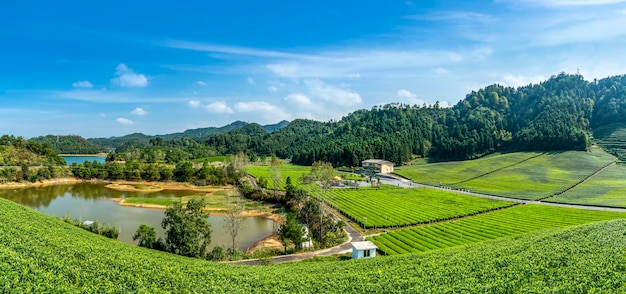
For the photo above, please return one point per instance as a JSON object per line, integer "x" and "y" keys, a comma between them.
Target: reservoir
{"x": 81, "y": 159}
{"x": 88, "y": 201}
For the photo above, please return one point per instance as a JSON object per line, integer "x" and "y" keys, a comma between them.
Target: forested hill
{"x": 557, "y": 114}
{"x": 138, "y": 140}
{"x": 71, "y": 144}
{"x": 17, "y": 151}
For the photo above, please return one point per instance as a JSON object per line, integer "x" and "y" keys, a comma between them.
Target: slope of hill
{"x": 553, "y": 115}
{"x": 582, "y": 259}
{"x": 71, "y": 144}
{"x": 16, "y": 151}
{"x": 612, "y": 137}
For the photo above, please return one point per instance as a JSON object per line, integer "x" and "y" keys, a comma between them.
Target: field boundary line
{"x": 499, "y": 169}
{"x": 391, "y": 229}
{"x": 580, "y": 182}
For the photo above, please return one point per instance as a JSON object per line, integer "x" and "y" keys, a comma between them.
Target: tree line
{"x": 557, "y": 114}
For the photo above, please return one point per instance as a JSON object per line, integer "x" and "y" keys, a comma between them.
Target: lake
{"x": 82, "y": 159}
{"x": 88, "y": 201}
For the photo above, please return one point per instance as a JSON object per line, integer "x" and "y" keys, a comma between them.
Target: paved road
{"x": 353, "y": 235}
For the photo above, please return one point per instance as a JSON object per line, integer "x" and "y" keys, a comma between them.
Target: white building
{"x": 378, "y": 166}
{"x": 363, "y": 249}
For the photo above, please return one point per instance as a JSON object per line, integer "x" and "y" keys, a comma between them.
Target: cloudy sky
{"x": 109, "y": 68}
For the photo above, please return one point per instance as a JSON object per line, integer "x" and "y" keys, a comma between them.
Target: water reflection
{"x": 88, "y": 201}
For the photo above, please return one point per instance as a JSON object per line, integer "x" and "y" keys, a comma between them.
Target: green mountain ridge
{"x": 557, "y": 114}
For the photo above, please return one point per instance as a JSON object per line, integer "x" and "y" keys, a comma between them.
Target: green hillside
{"x": 607, "y": 188}
{"x": 527, "y": 175}
{"x": 507, "y": 222}
{"x": 16, "y": 151}
{"x": 71, "y": 144}
{"x": 612, "y": 137}
{"x": 41, "y": 254}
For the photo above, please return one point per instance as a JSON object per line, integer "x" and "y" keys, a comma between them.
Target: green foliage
{"x": 96, "y": 227}
{"x": 391, "y": 206}
{"x": 16, "y": 151}
{"x": 291, "y": 232}
{"x": 295, "y": 172}
{"x": 612, "y": 137}
{"x": 447, "y": 173}
{"x": 507, "y": 222}
{"x": 147, "y": 237}
{"x": 604, "y": 189}
{"x": 587, "y": 259}
{"x": 71, "y": 144}
{"x": 542, "y": 176}
{"x": 553, "y": 115}
{"x": 187, "y": 228}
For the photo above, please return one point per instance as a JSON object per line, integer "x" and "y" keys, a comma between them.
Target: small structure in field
{"x": 363, "y": 249}
{"x": 377, "y": 166}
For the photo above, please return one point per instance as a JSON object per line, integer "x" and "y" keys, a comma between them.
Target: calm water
{"x": 91, "y": 202}
{"x": 82, "y": 159}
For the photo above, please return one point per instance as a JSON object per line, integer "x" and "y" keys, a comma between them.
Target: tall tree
{"x": 323, "y": 174}
{"x": 233, "y": 222}
{"x": 275, "y": 174}
{"x": 187, "y": 228}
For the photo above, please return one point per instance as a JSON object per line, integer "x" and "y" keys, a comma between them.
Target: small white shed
{"x": 363, "y": 249}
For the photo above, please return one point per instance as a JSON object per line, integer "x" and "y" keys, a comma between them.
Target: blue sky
{"x": 109, "y": 68}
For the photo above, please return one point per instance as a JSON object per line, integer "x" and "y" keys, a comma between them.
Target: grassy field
{"x": 587, "y": 259}
{"x": 390, "y": 206}
{"x": 607, "y": 188}
{"x": 612, "y": 137}
{"x": 446, "y": 173}
{"x": 286, "y": 170}
{"x": 512, "y": 221}
{"x": 542, "y": 176}
{"x": 216, "y": 202}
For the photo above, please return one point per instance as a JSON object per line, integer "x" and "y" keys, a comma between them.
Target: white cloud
{"x": 194, "y": 103}
{"x": 441, "y": 71}
{"x": 269, "y": 113}
{"x": 565, "y": 3}
{"x": 332, "y": 94}
{"x": 201, "y": 83}
{"x": 124, "y": 121}
{"x": 272, "y": 88}
{"x": 82, "y": 84}
{"x": 139, "y": 111}
{"x": 126, "y": 77}
{"x": 218, "y": 107}
{"x": 251, "y": 81}
{"x": 298, "y": 99}
{"x": 520, "y": 80}
{"x": 411, "y": 98}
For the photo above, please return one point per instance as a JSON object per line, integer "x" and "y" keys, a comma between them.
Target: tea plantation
{"x": 39, "y": 254}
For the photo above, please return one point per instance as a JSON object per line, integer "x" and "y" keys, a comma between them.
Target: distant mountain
{"x": 71, "y": 144}
{"x": 275, "y": 127}
{"x": 137, "y": 140}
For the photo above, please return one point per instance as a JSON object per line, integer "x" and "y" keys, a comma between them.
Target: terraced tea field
{"x": 586, "y": 259}
{"x": 507, "y": 222}
{"x": 542, "y": 176}
{"x": 447, "y": 173}
{"x": 390, "y": 206}
{"x": 607, "y": 188}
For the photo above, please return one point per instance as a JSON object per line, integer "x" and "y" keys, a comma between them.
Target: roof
{"x": 364, "y": 245}
{"x": 377, "y": 161}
